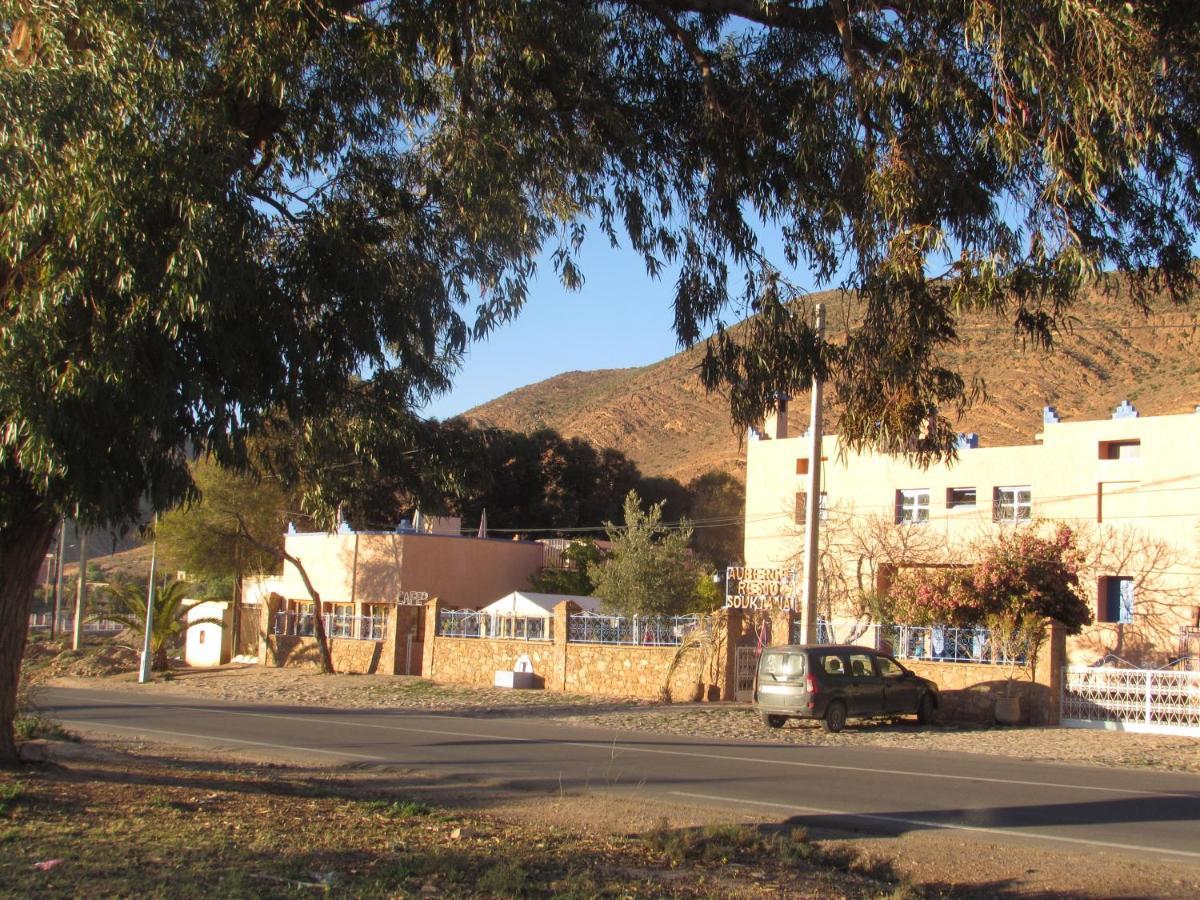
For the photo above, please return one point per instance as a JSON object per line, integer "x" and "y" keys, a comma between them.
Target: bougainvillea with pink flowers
{"x": 1019, "y": 573}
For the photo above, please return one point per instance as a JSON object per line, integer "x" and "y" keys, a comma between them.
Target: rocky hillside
{"x": 660, "y": 416}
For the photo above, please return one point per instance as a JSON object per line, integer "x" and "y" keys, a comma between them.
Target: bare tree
{"x": 1163, "y": 592}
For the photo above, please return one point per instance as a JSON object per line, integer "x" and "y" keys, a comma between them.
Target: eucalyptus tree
{"x": 212, "y": 211}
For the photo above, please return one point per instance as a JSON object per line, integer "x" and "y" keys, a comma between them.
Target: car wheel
{"x": 926, "y": 709}
{"x": 773, "y": 721}
{"x": 835, "y": 716}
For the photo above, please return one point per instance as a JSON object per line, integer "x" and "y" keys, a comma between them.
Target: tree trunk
{"x": 318, "y": 621}
{"x": 235, "y": 620}
{"x": 24, "y": 540}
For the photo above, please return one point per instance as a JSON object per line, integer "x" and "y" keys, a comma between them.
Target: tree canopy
{"x": 214, "y": 212}
{"x": 204, "y": 539}
{"x": 649, "y": 570}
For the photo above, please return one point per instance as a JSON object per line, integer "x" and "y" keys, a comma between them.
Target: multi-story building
{"x": 1128, "y": 486}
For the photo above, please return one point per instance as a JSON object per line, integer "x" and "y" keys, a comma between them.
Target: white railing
{"x": 359, "y": 628}
{"x": 467, "y": 623}
{"x": 645, "y": 631}
{"x": 930, "y": 643}
{"x": 41, "y": 621}
{"x": 1131, "y": 699}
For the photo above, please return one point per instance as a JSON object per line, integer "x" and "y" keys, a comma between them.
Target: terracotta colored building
{"x": 373, "y": 588}
{"x": 1129, "y": 486}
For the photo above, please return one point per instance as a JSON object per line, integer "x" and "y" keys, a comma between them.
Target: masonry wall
{"x": 349, "y": 656}
{"x": 606, "y": 670}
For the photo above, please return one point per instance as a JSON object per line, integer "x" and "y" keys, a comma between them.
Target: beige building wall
{"x": 1130, "y": 487}
{"x": 375, "y": 567}
{"x": 208, "y": 643}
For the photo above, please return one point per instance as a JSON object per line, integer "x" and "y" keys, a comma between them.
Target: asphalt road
{"x": 1113, "y": 811}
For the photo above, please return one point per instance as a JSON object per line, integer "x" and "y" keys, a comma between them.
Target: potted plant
{"x": 1015, "y": 639}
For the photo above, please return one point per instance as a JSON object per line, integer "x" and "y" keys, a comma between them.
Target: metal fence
{"x": 932, "y": 643}
{"x": 466, "y": 623}
{"x": 41, "y": 622}
{"x": 1131, "y": 699}
{"x": 362, "y": 628}
{"x": 645, "y": 631}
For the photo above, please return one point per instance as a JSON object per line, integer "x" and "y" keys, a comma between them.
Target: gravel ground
{"x": 250, "y": 683}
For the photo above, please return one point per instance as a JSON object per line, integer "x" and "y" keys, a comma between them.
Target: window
{"x": 1131, "y": 449}
{"x": 889, "y": 668}
{"x": 960, "y": 498}
{"x": 1012, "y": 504}
{"x": 783, "y": 666}
{"x": 860, "y": 666}
{"x": 912, "y": 506}
{"x": 341, "y": 622}
{"x": 832, "y": 665}
{"x": 802, "y": 507}
{"x": 1116, "y": 599}
{"x": 374, "y": 626}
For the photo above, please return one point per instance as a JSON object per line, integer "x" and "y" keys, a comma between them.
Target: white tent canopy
{"x": 538, "y": 606}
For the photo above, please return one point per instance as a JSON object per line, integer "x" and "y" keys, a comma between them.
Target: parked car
{"x": 834, "y": 683}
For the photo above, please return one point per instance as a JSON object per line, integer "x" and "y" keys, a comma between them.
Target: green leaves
{"x": 649, "y": 570}
{"x": 213, "y": 212}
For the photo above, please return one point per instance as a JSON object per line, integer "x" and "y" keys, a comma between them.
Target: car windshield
{"x": 782, "y": 666}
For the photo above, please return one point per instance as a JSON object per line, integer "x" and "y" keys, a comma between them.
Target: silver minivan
{"x": 837, "y": 682}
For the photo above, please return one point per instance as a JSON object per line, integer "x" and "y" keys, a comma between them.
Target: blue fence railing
{"x": 466, "y": 623}
{"x": 934, "y": 643}
{"x": 646, "y": 631}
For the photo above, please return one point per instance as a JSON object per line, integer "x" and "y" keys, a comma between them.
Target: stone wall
{"x": 351, "y": 656}
{"x": 476, "y": 660}
{"x": 608, "y": 670}
{"x": 640, "y": 672}
{"x": 968, "y": 691}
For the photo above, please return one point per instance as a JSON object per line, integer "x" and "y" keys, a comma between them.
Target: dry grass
{"x": 195, "y": 829}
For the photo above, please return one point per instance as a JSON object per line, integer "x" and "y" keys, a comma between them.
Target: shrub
{"x": 1020, "y": 574}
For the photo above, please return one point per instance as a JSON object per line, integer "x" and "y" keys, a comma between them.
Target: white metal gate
{"x": 746, "y": 667}
{"x": 1157, "y": 700}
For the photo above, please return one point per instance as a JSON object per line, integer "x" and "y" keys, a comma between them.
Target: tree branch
{"x": 282, "y": 555}
{"x": 699, "y": 57}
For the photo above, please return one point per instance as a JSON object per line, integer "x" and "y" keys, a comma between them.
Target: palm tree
{"x": 128, "y": 607}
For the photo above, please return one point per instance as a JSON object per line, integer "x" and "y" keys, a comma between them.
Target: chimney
{"x": 775, "y": 425}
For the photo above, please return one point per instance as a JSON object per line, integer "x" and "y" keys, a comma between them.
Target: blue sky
{"x": 620, "y": 318}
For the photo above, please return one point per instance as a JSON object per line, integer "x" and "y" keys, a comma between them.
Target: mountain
{"x": 661, "y": 417}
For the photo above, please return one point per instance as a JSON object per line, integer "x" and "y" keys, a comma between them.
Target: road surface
{"x": 1130, "y": 812}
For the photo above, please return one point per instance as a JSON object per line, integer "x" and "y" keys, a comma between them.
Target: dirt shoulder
{"x": 120, "y": 817}
{"x": 131, "y": 819}
{"x": 250, "y": 683}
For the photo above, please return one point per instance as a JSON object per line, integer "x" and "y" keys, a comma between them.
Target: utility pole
{"x": 81, "y": 588}
{"x": 144, "y": 671}
{"x": 62, "y": 543}
{"x": 812, "y": 512}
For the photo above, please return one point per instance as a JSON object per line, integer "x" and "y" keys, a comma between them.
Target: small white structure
{"x": 209, "y": 643}
{"x": 537, "y": 606}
